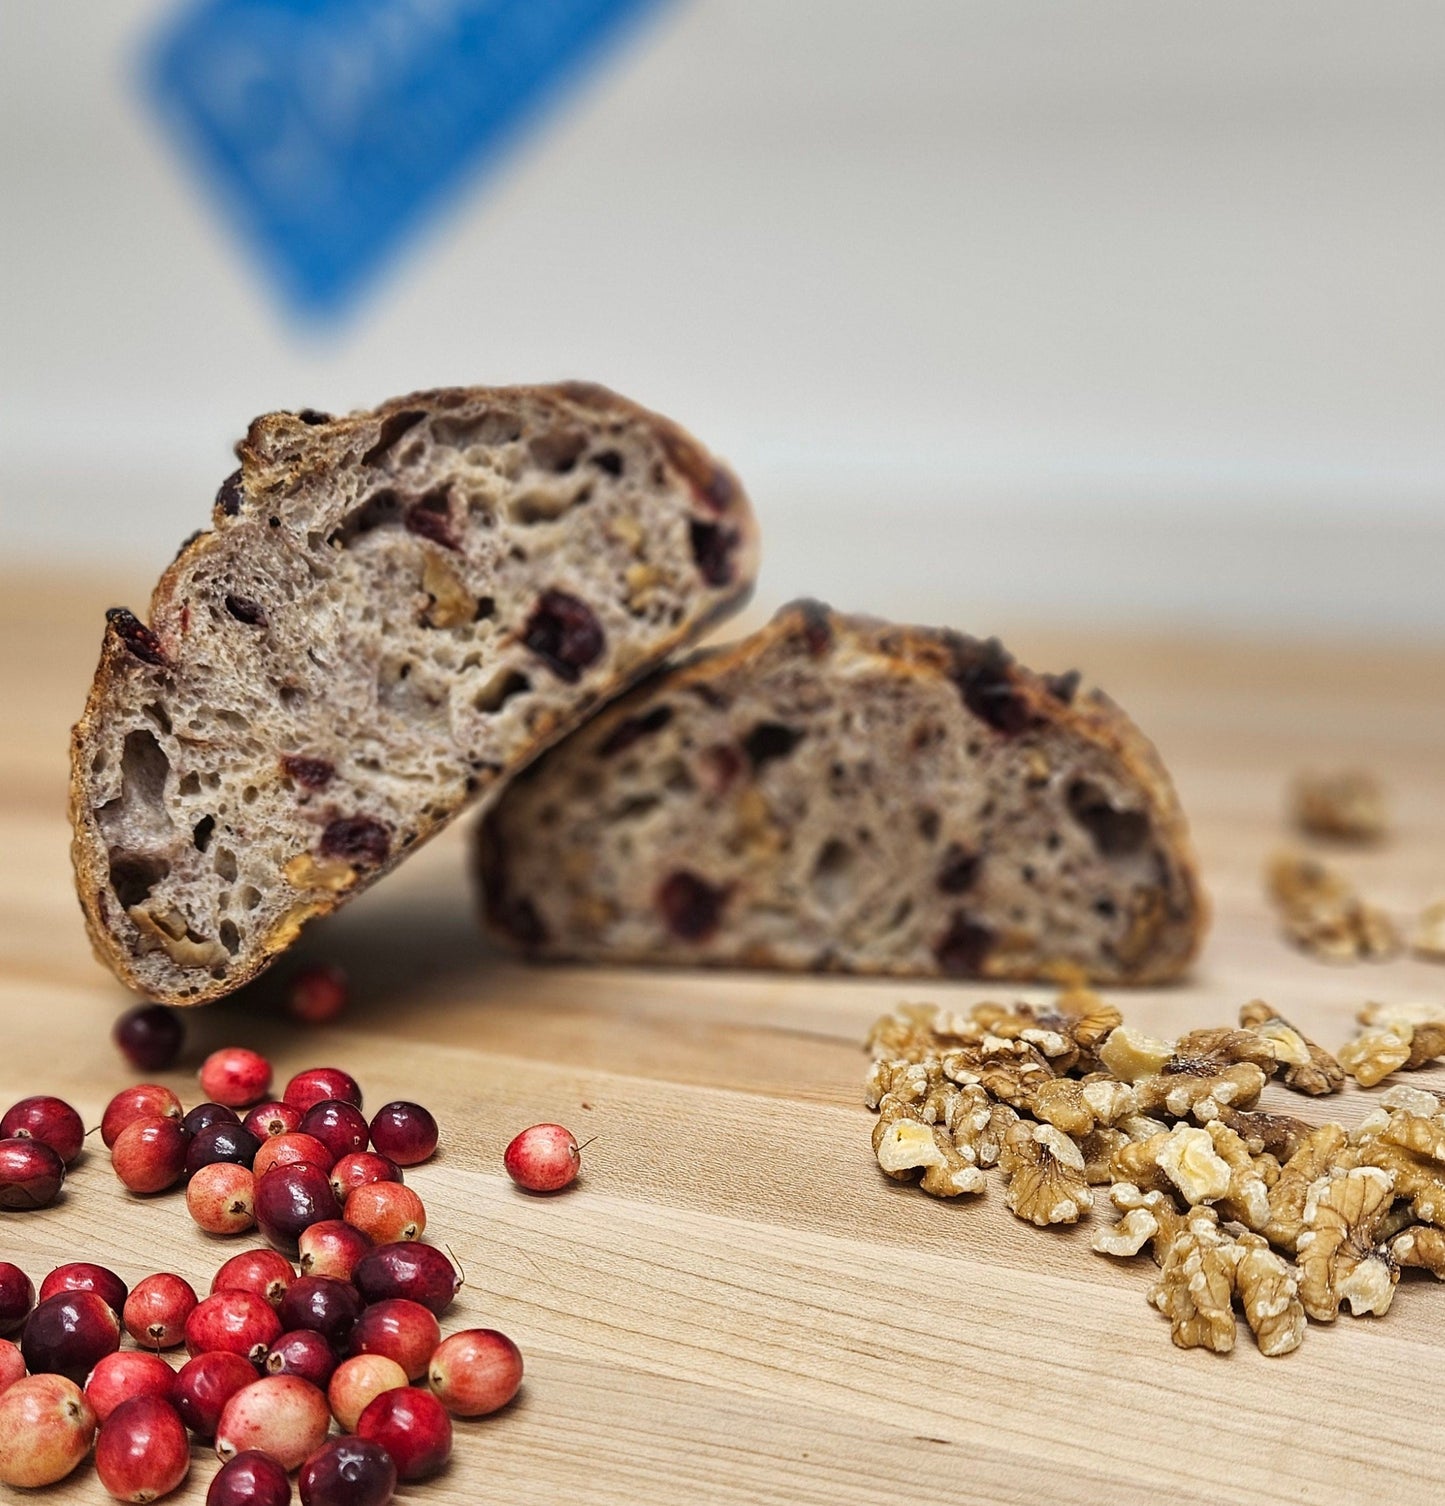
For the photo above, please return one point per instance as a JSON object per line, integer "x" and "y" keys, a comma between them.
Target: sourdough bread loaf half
{"x": 391, "y": 612}
{"x": 839, "y": 794}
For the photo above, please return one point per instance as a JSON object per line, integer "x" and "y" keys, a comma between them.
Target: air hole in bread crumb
{"x": 292, "y": 696}
{"x": 158, "y": 714}
{"x": 499, "y": 690}
{"x": 610, "y": 461}
{"x": 558, "y": 450}
{"x": 486, "y": 607}
{"x": 250, "y": 795}
{"x": 134, "y": 874}
{"x": 832, "y": 873}
{"x": 230, "y": 937}
{"x": 250, "y": 897}
{"x": 224, "y": 863}
{"x": 190, "y": 784}
{"x": 201, "y": 833}
{"x": 1116, "y": 833}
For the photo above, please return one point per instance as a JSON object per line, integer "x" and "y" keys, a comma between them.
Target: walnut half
{"x": 1341, "y": 1259}
{"x": 1047, "y": 1183}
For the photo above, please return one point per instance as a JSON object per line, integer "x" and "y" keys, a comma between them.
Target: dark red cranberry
{"x": 136, "y": 636}
{"x": 404, "y": 1133}
{"x": 246, "y": 609}
{"x": 348, "y": 1472}
{"x": 31, "y": 1174}
{"x": 358, "y": 840}
{"x": 292, "y": 1198}
{"x": 236, "y": 1321}
{"x": 251, "y": 1478}
{"x": 565, "y": 634}
{"x": 205, "y": 1384}
{"x": 82, "y": 1276}
{"x": 421, "y": 1273}
{"x": 68, "y": 1333}
{"x": 17, "y": 1297}
{"x": 690, "y": 906}
{"x": 269, "y": 1119}
{"x": 150, "y": 1037}
{"x": 318, "y": 1084}
{"x": 713, "y": 547}
{"x": 958, "y": 870}
{"x": 340, "y": 1127}
{"x": 204, "y": 1115}
{"x": 222, "y": 1142}
{"x": 309, "y": 773}
{"x": 51, "y": 1121}
{"x": 323, "y": 1304}
{"x": 413, "y": 1427}
{"x": 983, "y": 674}
{"x": 303, "y": 1352}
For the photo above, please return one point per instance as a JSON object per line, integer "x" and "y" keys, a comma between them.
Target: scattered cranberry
{"x": 222, "y": 1142}
{"x": 235, "y": 1321}
{"x": 386, "y": 1212}
{"x": 128, "y": 1373}
{"x": 402, "y": 1330}
{"x": 150, "y": 1037}
{"x": 292, "y": 1198}
{"x": 155, "y": 1313}
{"x": 69, "y": 1334}
{"x": 340, "y": 1126}
{"x": 51, "y": 1121}
{"x": 142, "y": 1451}
{"x": 288, "y": 1149}
{"x": 205, "y": 1384}
{"x": 12, "y": 1363}
{"x": 147, "y": 1100}
{"x": 318, "y": 995}
{"x": 348, "y": 1472}
{"x": 17, "y": 1296}
{"x": 302, "y": 1352}
{"x": 413, "y": 1427}
{"x": 475, "y": 1372}
{"x": 325, "y": 1305}
{"x": 360, "y": 1168}
{"x": 46, "y": 1428}
{"x": 221, "y": 1198}
{"x": 267, "y": 1273}
{"x": 150, "y": 1154}
{"x": 404, "y": 1132}
{"x": 204, "y": 1115}
{"x": 331, "y": 1248}
{"x": 273, "y": 1118}
{"x": 407, "y": 1269}
{"x": 31, "y": 1174}
{"x": 322, "y": 1085}
{"x": 544, "y": 1158}
{"x": 282, "y": 1415}
{"x": 250, "y": 1479}
{"x": 357, "y": 1381}
{"x": 82, "y": 1276}
{"x": 235, "y": 1076}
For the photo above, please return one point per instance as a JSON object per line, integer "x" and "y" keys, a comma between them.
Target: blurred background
{"x": 1107, "y": 313}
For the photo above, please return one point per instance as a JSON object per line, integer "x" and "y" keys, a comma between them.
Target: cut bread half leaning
{"x": 840, "y": 794}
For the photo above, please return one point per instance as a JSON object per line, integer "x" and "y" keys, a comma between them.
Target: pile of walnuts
{"x": 1287, "y": 1219}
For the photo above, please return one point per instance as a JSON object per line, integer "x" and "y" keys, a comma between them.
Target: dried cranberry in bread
{"x": 391, "y": 612}
{"x": 839, "y": 794}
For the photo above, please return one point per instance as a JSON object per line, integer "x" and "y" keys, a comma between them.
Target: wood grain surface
{"x": 733, "y": 1305}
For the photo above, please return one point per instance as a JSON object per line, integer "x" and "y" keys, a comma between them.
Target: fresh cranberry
{"x": 82, "y": 1276}
{"x": 69, "y": 1334}
{"x": 204, "y": 1115}
{"x": 475, "y": 1372}
{"x": 17, "y": 1296}
{"x": 302, "y": 1352}
{"x": 205, "y": 1384}
{"x": 46, "y": 1428}
{"x": 282, "y": 1415}
{"x": 402, "y": 1330}
{"x": 360, "y": 1168}
{"x": 251, "y": 1478}
{"x": 322, "y": 1085}
{"x": 386, "y": 1212}
{"x": 221, "y": 1198}
{"x": 413, "y": 1427}
{"x": 31, "y": 1174}
{"x": 126, "y": 1373}
{"x": 273, "y": 1118}
{"x": 142, "y": 1451}
{"x": 150, "y": 1154}
{"x": 318, "y": 995}
{"x": 331, "y": 1248}
{"x": 155, "y": 1313}
{"x": 236, "y": 1321}
{"x": 292, "y": 1198}
{"x": 404, "y": 1132}
{"x": 12, "y": 1363}
{"x": 341, "y": 1127}
{"x": 544, "y": 1158}
{"x": 357, "y": 1381}
{"x": 322, "y": 1303}
{"x": 146, "y": 1100}
{"x": 267, "y": 1273}
{"x": 348, "y": 1472}
{"x": 51, "y": 1121}
{"x": 407, "y": 1269}
{"x": 286, "y": 1150}
{"x": 222, "y": 1142}
{"x": 150, "y": 1037}
{"x": 235, "y": 1076}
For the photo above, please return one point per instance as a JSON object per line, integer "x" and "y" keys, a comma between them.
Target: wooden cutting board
{"x": 733, "y": 1305}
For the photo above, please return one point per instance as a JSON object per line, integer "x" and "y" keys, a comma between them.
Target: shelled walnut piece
{"x": 1322, "y": 915}
{"x": 1347, "y": 804}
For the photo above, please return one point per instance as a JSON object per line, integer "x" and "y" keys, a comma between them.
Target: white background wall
{"x": 1110, "y": 309}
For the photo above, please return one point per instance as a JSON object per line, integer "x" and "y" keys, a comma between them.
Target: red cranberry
{"x": 235, "y": 1076}
{"x": 407, "y": 1269}
{"x": 302, "y": 1352}
{"x": 82, "y": 1276}
{"x": 273, "y": 1118}
{"x": 563, "y": 631}
{"x": 155, "y": 1313}
{"x": 286, "y": 1150}
{"x": 322, "y": 1303}
{"x": 331, "y": 1248}
{"x": 150, "y": 1037}
{"x": 360, "y": 1168}
{"x": 17, "y": 1296}
{"x": 46, "y": 1426}
{"x": 204, "y": 1115}
{"x": 250, "y": 1479}
{"x": 386, "y": 1212}
{"x": 142, "y": 1451}
{"x": 282, "y": 1415}
{"x": 413, "y": 1427}
{"x": 52, "y": 1121}
{"x": 404, "y": 1132}
{"x": 127, "y": 1373}
{"x": 475, "y": 1372}
{"x": 222, "y": 1142}
{"x": 238, "y": 1322}
{"x": 402, "y": 1330}
{"x": 341, "y": 1127}
{"x": 31, "y": 1174}
{"x": 205, "y": 1384}
{"x": 147, "y": 1100}
{"x": 322, "y": 1085}
{"x": 69, "y": 1334}
{"x": 292, "y": 1198}
{"x": 12, "y": 1363}
{"x": 357, "y": 1381}
{"x": 318, "y": 995}
{"x": 348, "y": 1472}
{"x": 221, "y": 1198}
{"x": 150, "y": 1155}
{"x": 544, "y": 1158}
{"x": 265, "y": 1272}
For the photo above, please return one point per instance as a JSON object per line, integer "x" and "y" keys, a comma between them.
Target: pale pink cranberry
{"x": 318, "y": 995}
{"x": 289, "y": 1149}
{"x": 413, "y": 1427}
{"x": 321, "y": 1085}
{"x": 146, "y": 1100}
{"x": 142, "y": 1451}
{"x": 332, "y": 1248}
{"x": 221, "y": 1198}
{"x": 127, "y": 1373}
{"x": 205, "y": 1384}
{"x": 267, "y": 1273}
{"x": 475, "y": 1372}
{"x": 46, "y": 1428}
{"x": 402, "y": 1330}
{"x": 85, "y": 1276}
{"x": 236, "y": 1077}
{"x": 386, "y": 1212}
{"x": 357, "y": 1381}
{"x": 156, "y": 1311}
{"x": 273, "y": 1118}
{"x": 250, "y": 1479}
{"x": 360, "y": 1168}
{"x": 544, "y": 1158}
{"x": 149, "y": 1154}
{"x": 282, "y": 1415}
{"x": 52, "y": 1121}
{"x": 404, "y": 1132}
{"x": 12, "y": 1363}
{"x": 238, "y": 1322}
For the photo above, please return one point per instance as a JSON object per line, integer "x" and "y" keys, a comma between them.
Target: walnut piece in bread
{"x": 391, "y": 612}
